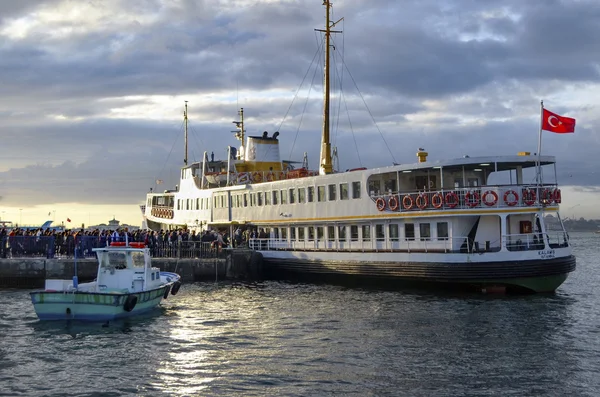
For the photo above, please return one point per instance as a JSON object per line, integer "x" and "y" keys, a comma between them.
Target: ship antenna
{"x": 325, "y": 166}
{"x": 185, "y": 119}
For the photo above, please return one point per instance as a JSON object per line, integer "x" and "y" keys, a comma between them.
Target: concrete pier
{"x": 31, "y": 272}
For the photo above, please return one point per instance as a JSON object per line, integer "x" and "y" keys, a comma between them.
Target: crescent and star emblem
{"x": 550, "y": 121}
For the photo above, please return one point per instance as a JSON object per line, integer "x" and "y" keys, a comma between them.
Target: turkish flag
{"x": 554, "y": 123}
{"x": 68, "y": 220}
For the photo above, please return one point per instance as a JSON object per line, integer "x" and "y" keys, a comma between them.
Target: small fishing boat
{"x": 126, "y": 285}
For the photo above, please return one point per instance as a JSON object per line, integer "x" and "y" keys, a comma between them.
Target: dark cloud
{"x": 455, "y": 77}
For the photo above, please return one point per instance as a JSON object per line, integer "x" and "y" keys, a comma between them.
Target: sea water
{"x": 286, "y": 339}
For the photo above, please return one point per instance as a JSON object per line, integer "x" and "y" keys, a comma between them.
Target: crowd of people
{"x": 179, "y": 243}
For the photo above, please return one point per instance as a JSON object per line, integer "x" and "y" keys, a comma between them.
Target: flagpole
{"x": 539, "y": 151}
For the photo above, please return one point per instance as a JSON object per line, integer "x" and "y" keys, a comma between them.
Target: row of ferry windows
{"x": 276, "y": 197}
{"x": 362, "y": 232}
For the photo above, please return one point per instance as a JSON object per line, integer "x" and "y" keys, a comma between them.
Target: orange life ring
{"x": 380, "y": 203}
{"x": 422, "y": 201}
{"x": 529, "y": 196}
{"x": 408, "y": 202}
{"x": 170, "y": 213}
{"x": 547, "y": 196}
{"x": 393, "y": 203}
{"x": 514, "y": 201}
{"x": 451, "y": 200}
{"x": 556, "y": 196}
{"x": 437, "y": 200}
{"x": 471, "y": 198}
{"x": 487, "y": 202}
{"x": 257, "y": 177}
{"x": 137, "y": 245}
{"x": 270, "y": 177}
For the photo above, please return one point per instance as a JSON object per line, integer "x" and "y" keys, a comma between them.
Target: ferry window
{"x": 332, "y": 193}
{"x": 425, "y": 231}
{"x": 442, "y": 230}
{"x": 379, "y": 233}
{"x": 311, "y": 194}
{"x": 178, "y": 201}
{"x": 342, "y": 233}
{"x": 319, "y": 232}
{"x": 197, "y": 204}
{"x": 253, "y": 199}
{"x": 389, "y": 185}
{"x": 311, "y": 233}
{"x": 375, "y": 187}
{"x": 259, "y": 199}
{"x": 393, "y": 231}
{"x": 366, "y": 232}
{"x": 301, "y": 195}
{"x": 320, "y": 193}
{"x": 473, "y": 182}
{"x": 292, "y": 233}
{"x": 284, "y": 233}
{"x": 343, "y": 191}
{"x": 275, "y": 197}
{"x": 301, "y": 233}
{"x": 267, "y": 198}
{"x": 409, "y": 231}
{"x": 292, "y": 196}
{"x": 284, "y": 197}
{"x": 187, "y": 204}
{"x": 353, "y": 232}
{"x": 245, "y": 199}
{"x": 356, "y": 190}
{"x": 224, "y": 202}
{"x": 330, "y": 233}
{"x": 216, "y": 202}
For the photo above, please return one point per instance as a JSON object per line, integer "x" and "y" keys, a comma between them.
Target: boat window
{"x": 275, "y": 197}
{"x": 330, "y": 233}
{"x": 259, "y": 199}
{"x": 356, "y": 190}
{"x": 319, "y": 232}
{"x": 283, "y": 196}
{"x": 178, "y": 204}
{"x": 284, "y": 233}
{"x": 138, "y": 259}
{"x": 301, "y": 233}
{"x": 216, "y": 202}
{"x": 375, "y": 187}
{"x": 379, "y": 232}
{"x": 245, "y": 199}
{"x": 267, "y": 198}
{"x": 389, "y": 185}
{"x": 353, "y": 232}
{"x": 342, "y": 233}
{"x": 252, "y": 199}
{"x": 292, "y": 233}
{"x": 311, "y": 194}
{"x": 311, "y": 233}
{"x": 197, "y": 204}
{"x": 320, "y": 193}
{"x": 366, "y": 232}
{"x": 442, "y": 230}
{"x": 473, "y": 182}
{"x": 343, "y": 191}
{"x": 292, "y": 196}
{"x": 393, "y": 231}
{"x": 425, "y": 231}
{"x": 301, "y": 195}
{"x": 117, "y": 260}
{"x": 409, "y": 231}
{"x": 332, "y": 193}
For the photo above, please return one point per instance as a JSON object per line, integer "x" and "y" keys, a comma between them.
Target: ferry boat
{"x": 446, "y": 223}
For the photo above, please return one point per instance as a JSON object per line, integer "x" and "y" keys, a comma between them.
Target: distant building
{"x": 113, "y": 224}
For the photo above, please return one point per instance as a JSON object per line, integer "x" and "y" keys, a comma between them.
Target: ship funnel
{"x": 422, "y": 155}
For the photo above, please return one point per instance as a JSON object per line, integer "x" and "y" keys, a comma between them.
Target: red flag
{"x": 554, "y": 123}
{"x": 68, "y": 219}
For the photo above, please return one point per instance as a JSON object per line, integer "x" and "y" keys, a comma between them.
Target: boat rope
{"x": 162, "y": 170}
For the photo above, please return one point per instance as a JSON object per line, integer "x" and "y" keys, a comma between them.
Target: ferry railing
{"x": 418, "y": 245}
{"x": 489, "y": 196}
{"x": 535, "y": 241}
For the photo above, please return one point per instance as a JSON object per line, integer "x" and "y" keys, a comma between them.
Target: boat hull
{"x": 535, "y": 275}
{"x": 93, "y": 306}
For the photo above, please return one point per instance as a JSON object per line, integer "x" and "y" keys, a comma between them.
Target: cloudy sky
{"x": 92, "y": 91}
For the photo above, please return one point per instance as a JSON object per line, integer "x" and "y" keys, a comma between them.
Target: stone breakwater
{"x": 31, "y": 272}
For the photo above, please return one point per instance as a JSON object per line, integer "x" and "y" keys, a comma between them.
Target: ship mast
{"x": 185, "y": 119}
{"x": 325, "y": 163}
